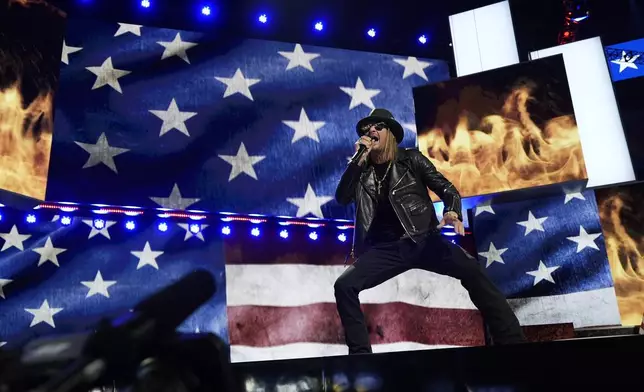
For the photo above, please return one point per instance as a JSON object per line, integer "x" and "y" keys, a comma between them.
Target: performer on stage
{"x": 396, "y": 229}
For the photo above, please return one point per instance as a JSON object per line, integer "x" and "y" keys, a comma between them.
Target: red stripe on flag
{"x": 266, "y": 250}
{"x": 265, "y": 326}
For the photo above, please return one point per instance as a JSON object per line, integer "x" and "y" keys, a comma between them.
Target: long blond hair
{"x": 390, "y": 152}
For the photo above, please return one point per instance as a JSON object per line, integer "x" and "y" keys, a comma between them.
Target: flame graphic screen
{"x": 29, "y": 64}
{"x": 622, "y": 217}
{"x": 500, "y": 130}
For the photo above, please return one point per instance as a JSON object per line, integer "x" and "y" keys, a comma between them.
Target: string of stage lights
{"x": 318, "y": 26}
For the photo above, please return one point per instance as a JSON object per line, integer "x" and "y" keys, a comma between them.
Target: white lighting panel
{"x": 600, "y": 127}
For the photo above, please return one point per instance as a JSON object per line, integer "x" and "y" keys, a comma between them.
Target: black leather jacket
{"x": 411, "y": 174}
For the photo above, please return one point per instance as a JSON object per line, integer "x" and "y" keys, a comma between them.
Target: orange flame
{"x": 25, "y": 142}
{"x": 505, "y": 151}
{"x": 624, "y": 248}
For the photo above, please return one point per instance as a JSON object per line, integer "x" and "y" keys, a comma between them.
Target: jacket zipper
{"x": 396, "y": 210}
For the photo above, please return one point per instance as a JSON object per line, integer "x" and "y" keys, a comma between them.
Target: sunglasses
{"x": 379, "y": 127}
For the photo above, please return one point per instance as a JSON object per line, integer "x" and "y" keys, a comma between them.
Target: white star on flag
{"x": 13, "y": 238}
{"x": 175, "y": 201}
{"x": 67, "y": 50}
{"x": 2, "y": 343}
{"x": 543, "y": 273}
{"x": 104, "y": 231}
{"x": 410, "y": 126}
{"x": 310, "y": 203}
{"x": 4, "y": 282}
{"x": 177, "y": 47}
{"x": 360, "y": 95}
{"x": 484, "y": 207}
{"x": 238, "y": 84}
{"x": 624, "y": 63}
{"x": 101, "y": 152}
{"x": 189, "y": 233}
{"x": 573, "y": 195}
{"x": 98, "y": 286}
{"x": 128, "y": 28}
{"x": 106, "y": 74}
{"x": 173, "y": 118}
{"x": 299, "y": 58}
{"x": 584, "y": 240}
{"x": 242, "y": 163}
{"x": 413, "y": 66}
{"x": 147, "y": 257}
{"x": 304, "y": 127}
{"x": 48, "y": 253}
{"x": 44, "y": 314}
{"x": 532, "y": 223}
{"x": 493, "y": 254}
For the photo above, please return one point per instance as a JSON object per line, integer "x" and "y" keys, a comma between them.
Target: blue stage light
{"x": 66, "y": 220}
{"x": 31, "y": 218}
{"x": 225, "y": 230}
{"x": 205, "y": 10}
{"x": 130, "y": 225}
{"x": 262, "y": 18}
{"x": 195, "y": 228}
{"x": 371, "y": 33}
{"x": 422, "y": 39}
{"x": 342, "y": 237}
{"x": 163, "y": 226}
{"x": 99, "y": 223}
{"x": 313, "y": 235}
{"x": 145, "y": 3}
{"x": 255, "y": 232}
{"x": 284, "y": 233}
{"x": 319, "y": 26}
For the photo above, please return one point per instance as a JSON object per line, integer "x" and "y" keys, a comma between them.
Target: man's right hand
{"x": 367, "y": 142}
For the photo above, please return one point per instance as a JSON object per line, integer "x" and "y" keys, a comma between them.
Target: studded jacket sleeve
{"x": 437, "y": 183}
{"x": 346, "y": 190}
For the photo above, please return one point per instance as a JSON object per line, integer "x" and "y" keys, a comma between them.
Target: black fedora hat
{"x": 385, "y": 116}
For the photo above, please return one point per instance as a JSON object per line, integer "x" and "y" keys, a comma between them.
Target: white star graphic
{"x": 493, "y": 254}
{"x": 173, "y": 118}
{"x": 543, "y": 273}
{"x": 128, "y": 28}
{"x": 532, "y": 223}
{"x": 177, "y": 47}
{"x": 98, "y": 286}
{"x": 299, "y": 58}
{"x": 305, "y": 127}
{"x": 238, "y": 84}
{"x": 410, "y": 126}
{"x": 147, "y": 257}
{"x": 2, "y": 343}
{"x": 484, "y": 207}
{"x": 13, "y": 238}
{"x": 101, "y": 152}
{"x": 310, "y": 203}
{"x": 48, "y": 253}
{"x": 44, "y": 314}
{"x": 360, "y": 95}
{"x": 175, "y": 201}
{"x": 624, "y": 63}
{"x": 573, "y": 195}
{"x": 106, "y": 74}
{"x": 67, "y": 50}
{"x": 103, "y": 231}
{"x": 413, "y": 67}
{"x": 189, "y": 233}
{"x": 585, "y": 240}
{"x": 242, "y": 163}
{"x": 4, "y": 282}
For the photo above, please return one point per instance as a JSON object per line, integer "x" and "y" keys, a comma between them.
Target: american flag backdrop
{"x": 548, "y": 256}
{"x": 156, "y": 117}
{"x": 62, "y": 274}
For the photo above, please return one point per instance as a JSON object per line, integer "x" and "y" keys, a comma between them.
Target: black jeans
{"x": 436, "y": 254}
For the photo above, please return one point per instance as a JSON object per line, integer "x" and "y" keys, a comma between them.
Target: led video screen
{"x": 505, "y": 129}
{"x": 626, "y": 60}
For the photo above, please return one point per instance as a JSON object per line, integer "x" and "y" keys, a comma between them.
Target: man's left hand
{"x": 451, "y": 219}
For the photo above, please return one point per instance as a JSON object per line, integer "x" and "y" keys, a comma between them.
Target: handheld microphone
{"x": 361, "y": 150}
